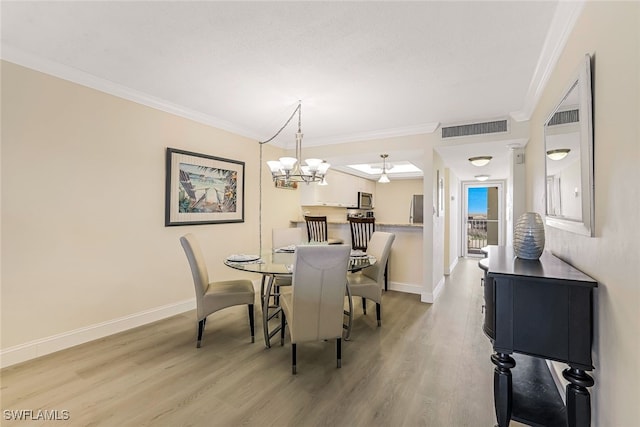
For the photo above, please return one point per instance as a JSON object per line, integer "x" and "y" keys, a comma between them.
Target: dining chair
{"x": 316, "y": 228}
{"x": 313, "y": 309}
{"x": 280, "y": 238}
{"x": 361, "y": 231}
{"x": 214, "y": 296}
{"x": 369, "y": 282}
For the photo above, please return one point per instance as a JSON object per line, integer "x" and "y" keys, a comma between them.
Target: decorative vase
{"x": 528, "y": 238}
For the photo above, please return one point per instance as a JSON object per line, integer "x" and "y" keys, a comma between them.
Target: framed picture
{"x": 203, "y": 189}
{"x": 291, "y": 185}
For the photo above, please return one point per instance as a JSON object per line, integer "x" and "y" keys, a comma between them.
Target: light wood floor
{"x": 428, "y": 365}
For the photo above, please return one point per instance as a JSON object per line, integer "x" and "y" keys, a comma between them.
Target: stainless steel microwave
{"x": 365, "y": 200}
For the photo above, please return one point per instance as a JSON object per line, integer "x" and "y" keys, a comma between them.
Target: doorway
{"x": 482, "y": 217}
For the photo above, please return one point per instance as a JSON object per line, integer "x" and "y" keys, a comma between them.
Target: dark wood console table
{"x": 544, "y": 309}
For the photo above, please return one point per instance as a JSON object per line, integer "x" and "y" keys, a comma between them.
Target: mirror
{"x": 568, "y": 140}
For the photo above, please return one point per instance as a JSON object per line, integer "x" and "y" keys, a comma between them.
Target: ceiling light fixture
{"x": 290, "y": 169}
{"x": 480, "y": 160}
{"x": 482, "y": 177}
{"x": 384, "y": 178}
{"x": 558, "y": 154}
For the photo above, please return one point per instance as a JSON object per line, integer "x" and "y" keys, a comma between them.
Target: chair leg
{"x": 378, "y": 309}
{"x": 283, "y": 323}
{"x": 200, "y": 330}
{"x": 293, "y": 359}
{"x": 364, "y": 305}
{"x": 339, "y": 352}
{"x": 251, "y": 323}
{"x": 386, "y": 276}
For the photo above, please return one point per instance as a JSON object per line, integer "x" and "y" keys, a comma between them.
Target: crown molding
{"x": 377, "y": 134}
{"x": 564, "y": 19}
{"x": 19, "y": 57}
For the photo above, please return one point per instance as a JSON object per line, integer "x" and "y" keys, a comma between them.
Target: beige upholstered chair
{"x": 214, "y": 296}
{"x": 369, "y": 282}
{"x": 314, "y": 307}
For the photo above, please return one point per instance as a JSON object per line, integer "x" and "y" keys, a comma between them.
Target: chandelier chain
{"x": 298, "y": 108}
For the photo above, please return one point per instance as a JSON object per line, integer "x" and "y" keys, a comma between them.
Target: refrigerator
{"x": 416, "y": 215}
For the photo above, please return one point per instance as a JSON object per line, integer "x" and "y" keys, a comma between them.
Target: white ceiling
{"x": 362, "y": 69}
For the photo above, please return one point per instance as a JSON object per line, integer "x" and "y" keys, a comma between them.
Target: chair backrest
{"x": 361, "y": 231}
{"x": 319, "y": 285}
{"x": 198, "y": 267}
{"x": 316, "y": 228}
{"x": 379, "y": 247}
{"x": 281, "y": 237}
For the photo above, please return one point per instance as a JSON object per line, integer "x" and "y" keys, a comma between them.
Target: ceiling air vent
{"x": 564, "y": 117}
{"x": 469, "y": 129}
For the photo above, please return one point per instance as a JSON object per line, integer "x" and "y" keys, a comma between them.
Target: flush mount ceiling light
{"x": 480, "y": 160}
{"x": 482, "y": 177}
{"x": 384, "y": 178}
{"x": 289, "y": 169}
{"x": 558, "y": 154}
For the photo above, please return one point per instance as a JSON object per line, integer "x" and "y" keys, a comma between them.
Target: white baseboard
{"x": 431, "y": 297}
{"x": 453, "y": 265}
{"x": 31, "y": 350}
{"x": 556, "y": 373}
{"x": 405, "y": 287}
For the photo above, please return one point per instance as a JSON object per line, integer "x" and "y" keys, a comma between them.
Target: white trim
{"x": 82, "y": 78}
{"x": 20, "y": 57}
{"x": 425, "y": 128}
{"x": 567, "y": 13}
{"x": 40, "y": 347}
{"x": 559, "y": 381}
{"x": 405, "y": 287}
{"x": 431, "y": 297}
{"x": 453, "y": 265}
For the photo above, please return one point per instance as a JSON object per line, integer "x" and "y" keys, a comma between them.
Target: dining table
{"x": 271, "y": 263}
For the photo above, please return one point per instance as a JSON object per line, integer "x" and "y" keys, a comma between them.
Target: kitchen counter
{"x": 405, "y": 274}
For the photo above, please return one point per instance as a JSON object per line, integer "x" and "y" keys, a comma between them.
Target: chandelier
{"x": 291, "y": 169}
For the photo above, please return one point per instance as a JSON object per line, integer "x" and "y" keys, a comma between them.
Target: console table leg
{"x": 502, "y": 387}
{"x": 578, "y": 398}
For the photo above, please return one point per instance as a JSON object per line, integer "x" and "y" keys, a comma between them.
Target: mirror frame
{"x": 586, "y": 225}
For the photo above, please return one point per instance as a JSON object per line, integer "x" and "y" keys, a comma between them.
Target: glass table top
{"x": 272, "y": 262}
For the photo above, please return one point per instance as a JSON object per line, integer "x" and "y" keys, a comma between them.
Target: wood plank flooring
{"x": 428, "y": 365}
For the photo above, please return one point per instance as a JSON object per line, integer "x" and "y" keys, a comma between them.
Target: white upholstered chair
{"x": 313, "y": 309}
{"x": 214, "y": 296}
{"x": 369, "y": 282}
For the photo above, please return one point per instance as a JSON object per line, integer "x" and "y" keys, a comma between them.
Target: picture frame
{"x": 202, "y": 189}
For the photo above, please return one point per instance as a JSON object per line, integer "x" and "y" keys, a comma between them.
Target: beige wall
{"x": 610, "y": 31}
{"x": 393, "y": 200}
{"x": 83, "y": 235}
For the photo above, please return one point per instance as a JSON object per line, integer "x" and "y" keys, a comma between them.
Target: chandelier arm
{"x": 298, "y": 108}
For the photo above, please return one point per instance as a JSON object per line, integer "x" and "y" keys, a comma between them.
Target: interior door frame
{"x": 465, "y": 185}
